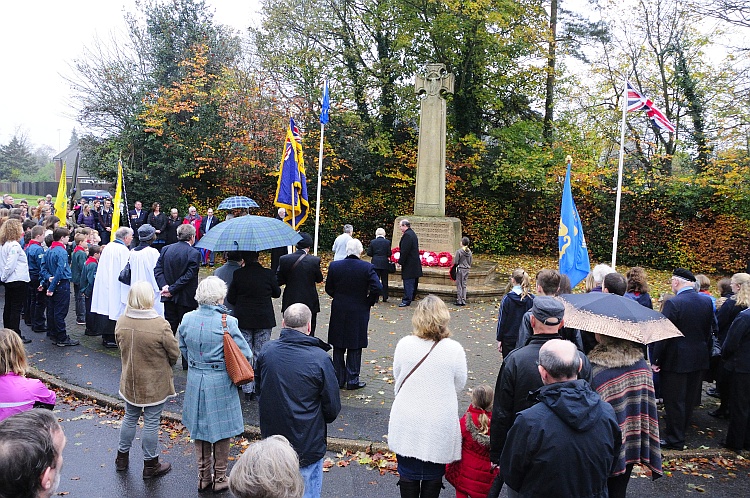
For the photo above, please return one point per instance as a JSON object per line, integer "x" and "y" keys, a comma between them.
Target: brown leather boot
{"x": 152, "y": 468}
{"x": 203, "y": 454}
{"x": 221, "y": 457}
{"x": 121, "y": 462}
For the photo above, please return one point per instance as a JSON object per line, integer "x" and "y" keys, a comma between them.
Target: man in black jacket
{"x": 298, "y": 393}
{"x": 299, "y": 272}
{"x": 176, "y": 274}
{"x": 411, "y": 266}
{"x": 207, "y": 223}
{"x": 137, "y": 218}
{"x": 567, "y": 443}
{"x": 682, "y": 361}
{"x": 519, "y": 375}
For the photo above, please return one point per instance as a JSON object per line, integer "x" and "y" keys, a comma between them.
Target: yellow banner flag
{"x": 117, "y": 200}
{"x": 61, "y": 202}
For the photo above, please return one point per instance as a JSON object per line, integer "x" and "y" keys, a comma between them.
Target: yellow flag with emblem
{"x": 118, "y": 199}
{"x": 61, "y": 202}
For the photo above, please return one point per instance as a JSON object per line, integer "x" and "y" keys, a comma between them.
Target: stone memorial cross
{"x": 429, "y": 199}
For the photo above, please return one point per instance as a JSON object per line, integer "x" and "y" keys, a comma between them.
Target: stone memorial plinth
{"x": 434, "y": 234}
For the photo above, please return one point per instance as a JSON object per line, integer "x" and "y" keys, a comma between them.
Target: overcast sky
{"x": 39, "y": 39}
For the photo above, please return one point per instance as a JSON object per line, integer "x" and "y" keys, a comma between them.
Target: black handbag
{"x": 391, "y": 267}
{"x": 124, "y": 276}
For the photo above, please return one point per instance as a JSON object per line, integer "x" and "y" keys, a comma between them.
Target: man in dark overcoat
{"x": 354, "y": 287}
{"x": 411, "y": 266}
{"x": 176, "y": 273}
{"x": 380, "y": 251}
{"x": 137, "y": 219}
{"x": 299, "y": 272}
{"x": 682, "y": 361}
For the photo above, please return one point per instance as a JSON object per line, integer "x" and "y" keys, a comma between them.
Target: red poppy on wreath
{"x": 395, "y": 254}
{"x": 445, "y": 259}
{"x": 430, "y": 258}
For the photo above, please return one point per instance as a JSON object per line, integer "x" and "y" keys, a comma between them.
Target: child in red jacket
{"x": 472, "y": 476}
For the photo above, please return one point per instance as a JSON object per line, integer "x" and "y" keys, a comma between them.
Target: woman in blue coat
{"x": 211, "y": 411}
{"x": 354, "y": 287}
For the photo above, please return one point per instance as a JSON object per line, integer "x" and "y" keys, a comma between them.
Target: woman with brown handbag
{"x": 211, "y": 411}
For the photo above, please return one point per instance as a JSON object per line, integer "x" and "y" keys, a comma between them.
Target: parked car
{"x": 93, "y": 195}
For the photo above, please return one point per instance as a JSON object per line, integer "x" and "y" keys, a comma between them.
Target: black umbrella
{"x": 617, "y": 316}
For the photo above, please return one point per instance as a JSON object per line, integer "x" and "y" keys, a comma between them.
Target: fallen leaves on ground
{"x": 382, "y": 462}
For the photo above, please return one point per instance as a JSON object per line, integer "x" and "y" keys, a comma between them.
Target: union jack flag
{"x": 638, "y": 102}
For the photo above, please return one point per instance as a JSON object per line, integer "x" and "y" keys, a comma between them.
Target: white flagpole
{"x": 619, "y": 171}
{"x": 320, "y": 175}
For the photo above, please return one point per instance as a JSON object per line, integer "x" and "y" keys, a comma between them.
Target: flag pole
{"x": 619, "y": 170}
{"x": 320, "y": 174}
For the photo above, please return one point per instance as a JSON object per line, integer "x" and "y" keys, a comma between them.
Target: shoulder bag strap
{"x": 417, "y": 366}
{"x": 224, "y": 323}
{"x": 298, "y": 260}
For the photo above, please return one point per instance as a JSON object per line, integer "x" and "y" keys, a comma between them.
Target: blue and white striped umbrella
{"x": 237, "y": 202}
{"x": 249, "y": 233}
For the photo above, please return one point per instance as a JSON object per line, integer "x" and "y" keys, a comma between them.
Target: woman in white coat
{"x": 424, "y": 432}
{"x": 143, "y": 260}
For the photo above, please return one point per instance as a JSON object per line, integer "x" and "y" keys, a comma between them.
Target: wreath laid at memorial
{"x": 427, "y": 258}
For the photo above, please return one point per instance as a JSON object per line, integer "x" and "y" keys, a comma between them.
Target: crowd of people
{"x": 571, "y": 413}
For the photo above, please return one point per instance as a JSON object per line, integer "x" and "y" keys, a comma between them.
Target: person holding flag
{"x": 573, "y": 253}
{"x": 291, "y": 190}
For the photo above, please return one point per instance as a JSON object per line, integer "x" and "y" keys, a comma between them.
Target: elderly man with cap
{"x": 519, "y": 374}
{"x": 299, "y": 272}
{"x": 682, "y": 361}
{"x": 143, "y": 260}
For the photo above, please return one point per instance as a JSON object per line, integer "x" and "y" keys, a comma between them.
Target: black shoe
{"x": 669, "y": 446}
{"x": 385, "y": 300}
{"x": 731, "y": 448}
{"x": 25, "y": 339}
{"x": 719, "y": 413}
{"x": 39, "y": 331}
{"x": 109, "y": 344}
{"x": 68, "y": 342}
{"x": 353, "y": 387}
{"x": 80, "y": 322}
{"x": 403, "y": 304}
{"x": 249, "y": 396}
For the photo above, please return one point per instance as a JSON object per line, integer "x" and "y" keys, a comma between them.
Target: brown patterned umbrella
{"x": 617, "y": 316}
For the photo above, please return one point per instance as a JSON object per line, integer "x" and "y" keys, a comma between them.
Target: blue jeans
{"x": 150, "y": 436}
{"x": 60, "y": 303}
{"x": 255, "y": 338}
{"x": 313, "y": 477}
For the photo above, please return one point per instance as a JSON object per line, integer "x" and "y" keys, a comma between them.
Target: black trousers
{"x": 617, "y": 486}
{"x": 680, "y": 392}
{"x": 383, "y": 276}
{"x": 347, "y": 371}
{"x": 738, "y": 434}
{"x": 15, "y": 297}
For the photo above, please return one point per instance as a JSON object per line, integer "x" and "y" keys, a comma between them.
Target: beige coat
{"x": 149, "y": 350}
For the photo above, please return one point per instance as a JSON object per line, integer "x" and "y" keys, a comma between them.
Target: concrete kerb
{"x": 251, "y": 432}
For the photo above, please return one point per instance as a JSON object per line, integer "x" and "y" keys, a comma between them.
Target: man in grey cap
{"x": 519, "y": 374}
{"x": 682, "y": 361}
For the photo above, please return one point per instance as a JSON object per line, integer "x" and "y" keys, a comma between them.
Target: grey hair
{"x": 405, "y": 223}
{"x": 211, "y": 290}
{"x": 354, "y": 247}
{"x": 123, "y": 232}
{"x": 185, "y": 232}
{"x": 379, "y": 232}
{"x": 297, "y": 316}
{"x": 348, "y": 229}
{"x": 267, "y": 469}
{"x": 560, "y": 359}
{"x": 600, "y": 271}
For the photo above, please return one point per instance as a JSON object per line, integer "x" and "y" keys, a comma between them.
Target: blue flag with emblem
{"x": 574, "y": 256}
{"x": 291, "y": 189}
{"x": 326, "y": 104}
